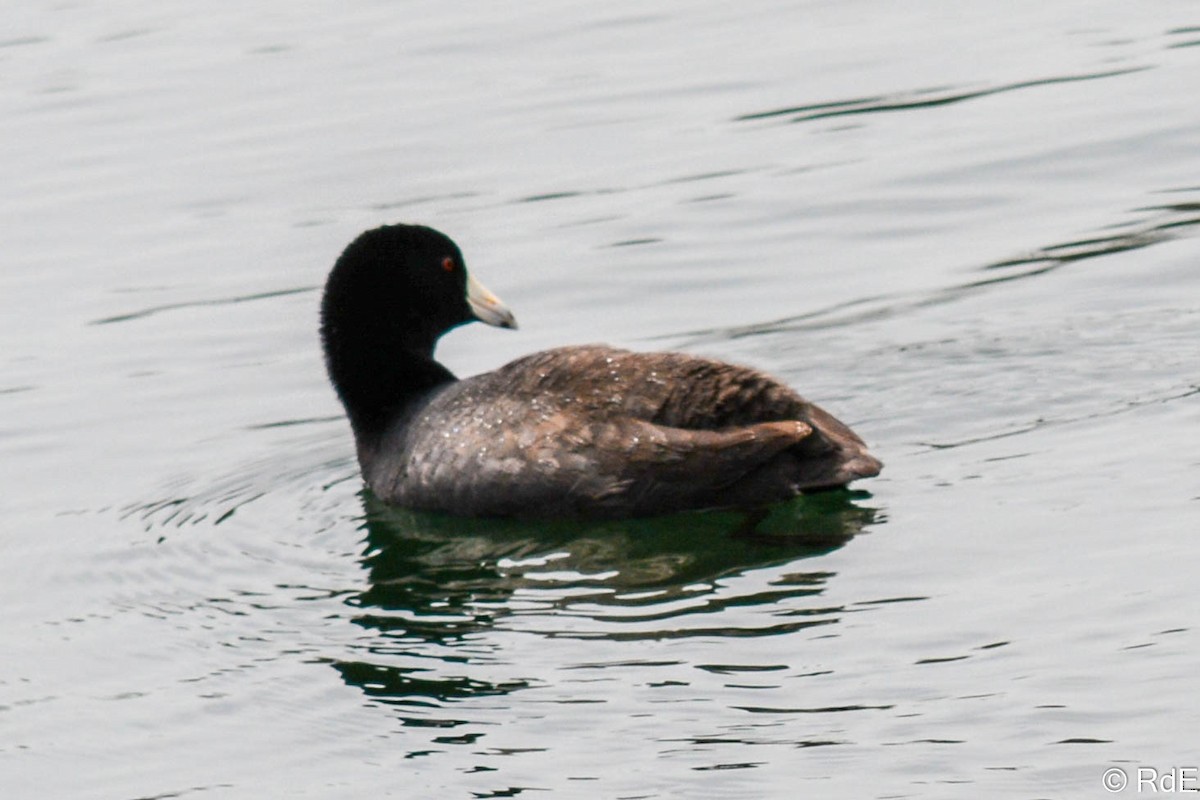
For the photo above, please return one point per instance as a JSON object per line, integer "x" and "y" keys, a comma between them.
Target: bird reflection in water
{"x": 439, "y": 584}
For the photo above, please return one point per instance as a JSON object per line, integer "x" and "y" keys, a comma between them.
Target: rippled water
{"x": 969, "y": 231}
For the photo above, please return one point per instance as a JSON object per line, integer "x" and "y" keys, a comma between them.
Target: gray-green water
{"x": 969, "y": 230}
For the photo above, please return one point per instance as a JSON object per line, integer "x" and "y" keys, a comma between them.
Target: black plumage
{"x": 584, "y": 431}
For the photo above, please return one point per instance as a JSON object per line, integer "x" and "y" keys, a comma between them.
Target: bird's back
{"x": 593, "y": 431}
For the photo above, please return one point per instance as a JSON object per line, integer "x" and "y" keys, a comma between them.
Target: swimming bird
{"x": 586, "y": 431}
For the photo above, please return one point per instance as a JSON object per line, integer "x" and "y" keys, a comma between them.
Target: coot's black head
{"x": 393, "y": 292}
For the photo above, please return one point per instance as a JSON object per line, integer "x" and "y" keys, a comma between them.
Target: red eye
{"x": 448, "y": 264}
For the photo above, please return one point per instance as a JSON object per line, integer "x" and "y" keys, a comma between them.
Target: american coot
{"x": 587, "y": 431}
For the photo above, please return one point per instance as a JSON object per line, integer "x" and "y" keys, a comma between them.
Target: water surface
{"x": 971, "y": 234}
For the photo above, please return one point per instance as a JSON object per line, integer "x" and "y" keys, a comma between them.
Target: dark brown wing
{"x": 674, "y": 389}
{"x": 597, "y": 432}
{"x": 691, "y": 394}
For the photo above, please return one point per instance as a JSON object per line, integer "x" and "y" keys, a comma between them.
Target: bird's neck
{"x": 375, "y": 385}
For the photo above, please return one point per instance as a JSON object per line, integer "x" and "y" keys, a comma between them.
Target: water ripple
{"x": 220, "y": 301}
{"x": 919, "y": 98}
{"x": 1168, "y": 221}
